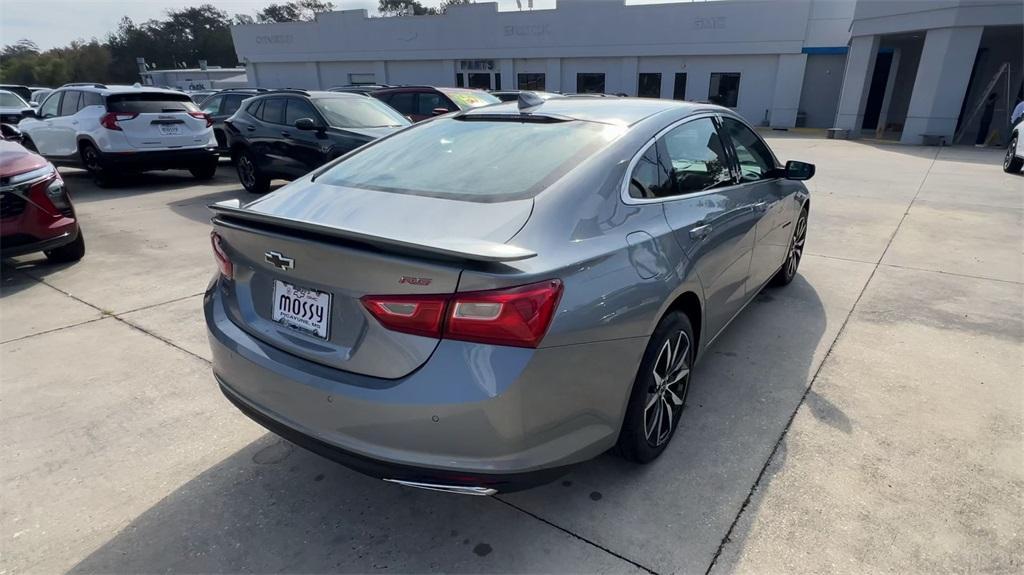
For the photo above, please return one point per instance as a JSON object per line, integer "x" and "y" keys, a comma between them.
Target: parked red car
{"x": 36, "y": 214}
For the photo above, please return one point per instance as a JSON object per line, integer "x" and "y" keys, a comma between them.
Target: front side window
{"x": 531, "y": 82}
{"x": 649, "y": 85}
{"x": 51, "y": 106}
{"x": 298, "y": 109}
{"x": 724, "y": 90}
{"x": 273, "y": 111}
{"x": 359, "y": 112}
{"x": 697, "y": 156}
{"x": 587, "y": 83}
{"x": 652, "y": 175}
{"x": 426, "y": 103}
{"x": 69, "y": 105}
{"x": 472, "y": 159}
{"x": 756, "y": 160}
{"x": 212, "y": 105}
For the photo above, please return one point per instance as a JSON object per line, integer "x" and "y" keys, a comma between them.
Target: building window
{"x": 459, "y": 81}
{"x": 649, "y": 85}
{"x": 679, "y": 89}
{"x": 531, "y": 82}
{"x": 497, "y": 81}
{"x": 725, "y": 89}
{"x": 479, "y": 81}
{"x": 361, "y": 79}
{"x": 589, "y": 83}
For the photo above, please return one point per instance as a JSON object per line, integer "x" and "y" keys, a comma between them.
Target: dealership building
{"x": 908, "y": 70}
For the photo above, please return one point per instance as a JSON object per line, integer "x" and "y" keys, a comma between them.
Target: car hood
{"x": 405, "y": 217}
{"x": 14, "y": 159}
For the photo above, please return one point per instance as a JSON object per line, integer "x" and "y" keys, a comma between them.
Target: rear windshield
{"x": 11, "y": 100}
{"x": 359, "y": 113}
{"x": 479, "y": 160}
{"x": 150, "y": 103}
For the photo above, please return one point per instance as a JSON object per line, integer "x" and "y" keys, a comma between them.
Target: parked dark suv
{"x": 421, "y": 102}
{"x": 221, "y": 106}
{"x": 285, "y": 134}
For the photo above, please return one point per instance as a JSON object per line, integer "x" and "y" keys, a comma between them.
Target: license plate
{"x": 169, "y": 130}
{"x": 302, "y": 308}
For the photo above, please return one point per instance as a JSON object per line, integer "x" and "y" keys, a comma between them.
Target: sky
{"x": 52, "y": 23}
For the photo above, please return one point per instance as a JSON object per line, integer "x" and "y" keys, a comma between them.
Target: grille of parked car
{"x": 11, "y": 204}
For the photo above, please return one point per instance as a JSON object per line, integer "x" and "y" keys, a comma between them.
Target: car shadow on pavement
{"x": 275, "y": 507}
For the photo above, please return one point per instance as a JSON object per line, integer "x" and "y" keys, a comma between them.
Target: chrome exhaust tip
{"x": 460, "y": 489}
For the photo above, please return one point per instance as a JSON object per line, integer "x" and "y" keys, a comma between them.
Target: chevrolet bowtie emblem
{"x": 279, "y": 261}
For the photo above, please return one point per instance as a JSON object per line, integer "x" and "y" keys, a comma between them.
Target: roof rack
{"x": 89, "y": 84}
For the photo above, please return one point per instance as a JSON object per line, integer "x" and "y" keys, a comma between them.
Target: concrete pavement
{"x": 867, "y": 417}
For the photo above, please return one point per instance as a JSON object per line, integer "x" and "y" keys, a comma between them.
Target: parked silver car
{"x": 480, "y": 301}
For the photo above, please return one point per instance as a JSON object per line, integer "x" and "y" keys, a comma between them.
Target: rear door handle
{"x": 286, "y": 134}
{"x": 761, "y": 206}
{"x": 251, "y": 128}
{"x": 700, "y": 232}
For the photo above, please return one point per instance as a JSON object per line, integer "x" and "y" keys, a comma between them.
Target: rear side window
{"x": 69, "y": 105}
{"x": 212, "y": 105}
{"x": 90, "y": 99}
{"x": 254, "y": 108}
{"x": 473, "y": 160}
{"x": 652, "y": 175}
{"x": 404, "y": 102}
{"x": 426, "y": 103}
{"x": 231, "y": 103}
{"x": 273, "y": 111}
{"x": 150, "y": 103}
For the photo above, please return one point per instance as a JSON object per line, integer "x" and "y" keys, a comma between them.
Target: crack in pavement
{"x": 842, "y": 328}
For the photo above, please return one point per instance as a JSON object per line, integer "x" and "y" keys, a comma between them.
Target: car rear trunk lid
{"x": 161, "y": 120}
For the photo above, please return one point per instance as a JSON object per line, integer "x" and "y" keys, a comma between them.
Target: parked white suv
{"x": 115, "y": 129}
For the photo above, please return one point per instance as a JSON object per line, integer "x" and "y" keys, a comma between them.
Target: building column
{"x": 553, "y": 75}
{"x": 860, "y": 65}
{"x": 508, "y": 74}
{"x": 251, "y": 75}
{"x": 941, "y": 83}
{"x": 789, "y": 82}
{"x": 630, "y": 76}
{"x": 380, "y": 72}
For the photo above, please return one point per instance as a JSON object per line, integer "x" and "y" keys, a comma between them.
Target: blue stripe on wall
{"x": 826, "y": 50}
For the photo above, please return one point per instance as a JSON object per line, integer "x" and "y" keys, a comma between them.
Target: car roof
{"x": 113, "y": 89}
{"x": 622, "y": 111}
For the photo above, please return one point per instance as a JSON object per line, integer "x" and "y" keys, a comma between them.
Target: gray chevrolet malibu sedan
{"x": 478, "y": 302}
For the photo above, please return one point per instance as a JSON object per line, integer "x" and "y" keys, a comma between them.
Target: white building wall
{"x": 337, "y": 73}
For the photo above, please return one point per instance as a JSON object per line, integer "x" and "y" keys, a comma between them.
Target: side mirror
{"x": 438, "y": 111}
{"x": 799, "y": 170}
{"x": 10, "y": 133}
{"x": 29, "y": 113}
{"x": 307, "y": 124}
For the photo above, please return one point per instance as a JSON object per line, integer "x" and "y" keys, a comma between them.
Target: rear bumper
{"x": 473, "y": 415}
{"x": 159, "y": 159}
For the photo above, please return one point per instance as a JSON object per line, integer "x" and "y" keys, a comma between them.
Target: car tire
{"x": 794, "y": 254}
{"x": 659, "y": 391}
{"x": 68, "y": 252}
{"x": 1012, "y": 164}
{"x": 249, "y": 175}
{"x": 204, "y": 171}
{"x": 93, "y": 163}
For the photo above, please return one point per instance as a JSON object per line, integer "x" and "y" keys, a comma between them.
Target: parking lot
{"x": 869, "y": 417}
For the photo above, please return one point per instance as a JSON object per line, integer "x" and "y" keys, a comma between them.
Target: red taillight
{"x": 110, "y": 120}
{"x": 202, "y": 116}
{"x": 516, "y": 316}
{"x": 418, "y": 315}
{"x": 223, "y": 262}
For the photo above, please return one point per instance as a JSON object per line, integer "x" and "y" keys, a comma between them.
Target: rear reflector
{"x": 223, "y": 262}
{"x": 418, "y": 315}
{"x": 517, "y": 316}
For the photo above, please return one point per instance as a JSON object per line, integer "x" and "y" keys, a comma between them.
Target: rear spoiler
{"x": 465, "y": 249}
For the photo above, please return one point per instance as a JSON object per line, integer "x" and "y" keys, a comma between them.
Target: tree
{"x": 296, "y": 11}
{"x": 449, "y": 3}
{"x": 404, "y": 7}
